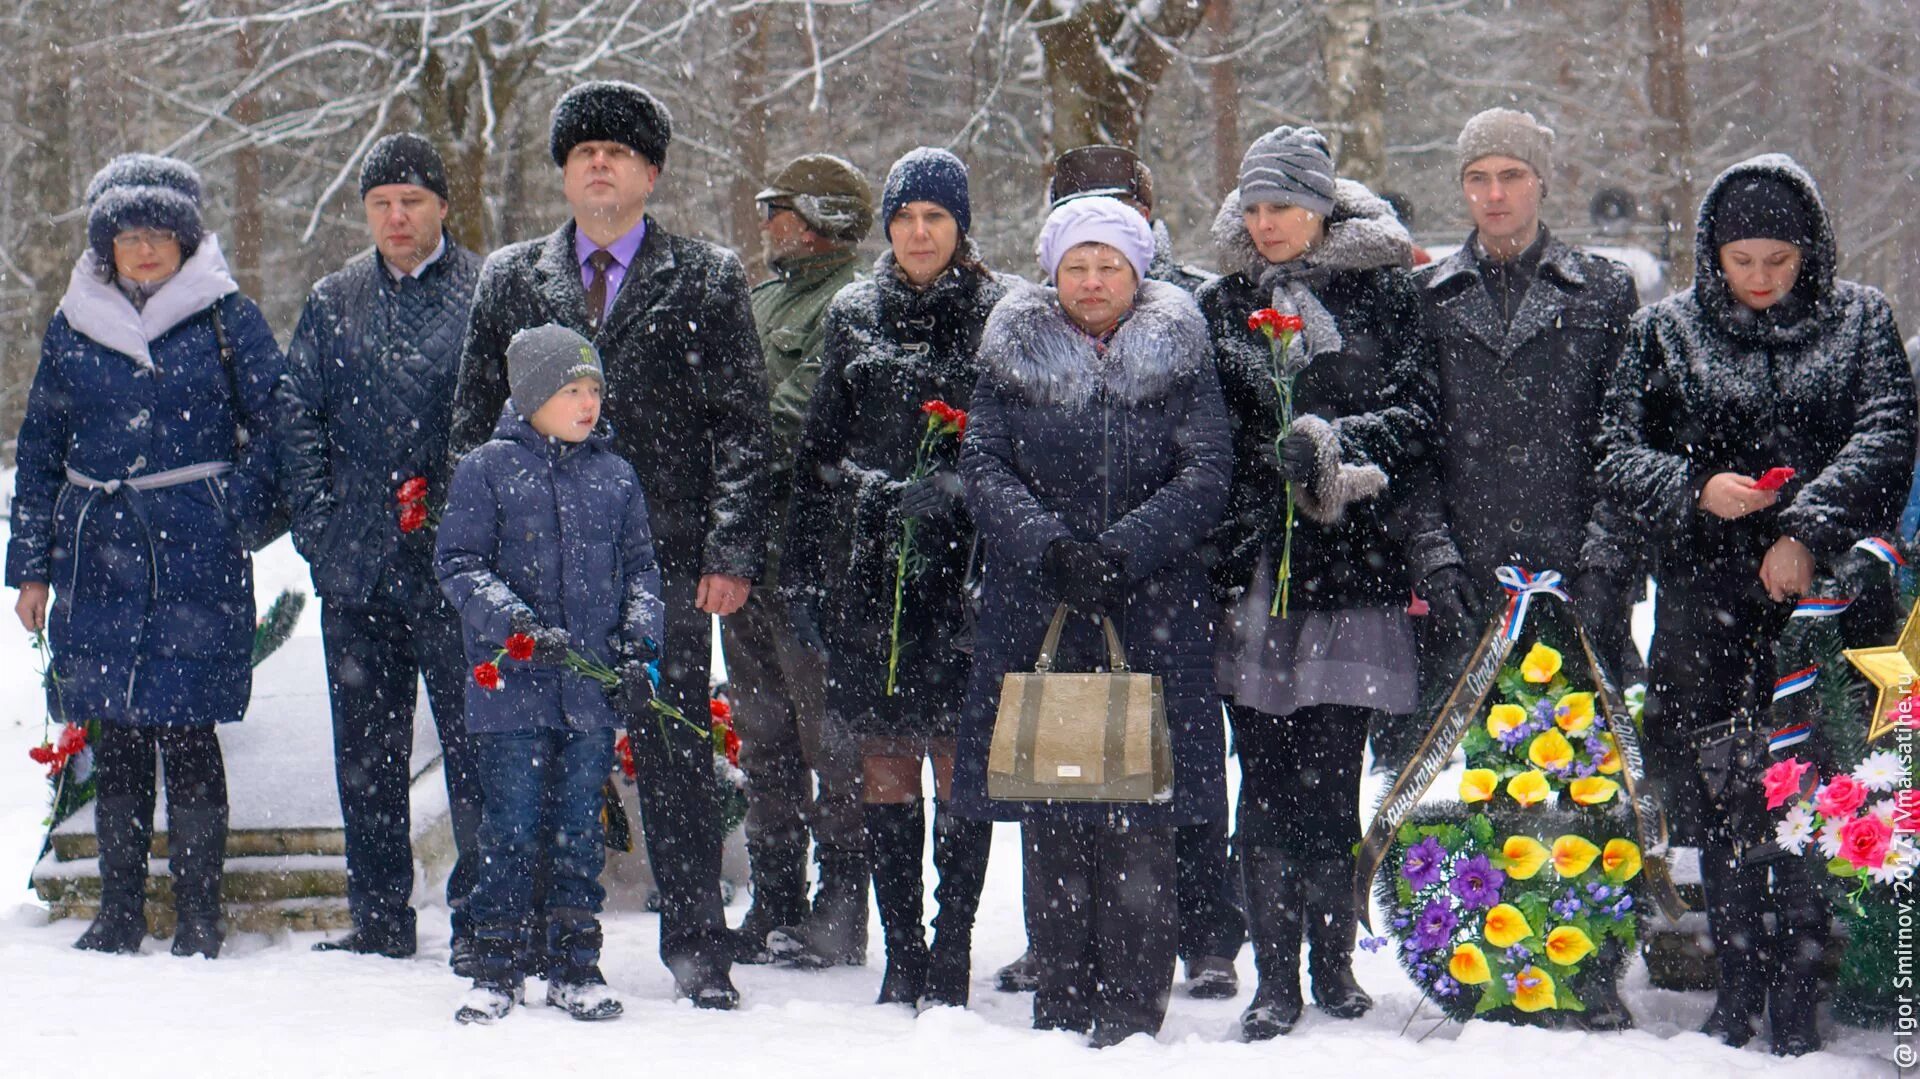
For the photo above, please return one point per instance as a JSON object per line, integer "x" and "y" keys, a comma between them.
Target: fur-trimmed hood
{"x": 1362, "y": 234}
{"x": 98, "y": 310}
{"x": 1031, "y": 347}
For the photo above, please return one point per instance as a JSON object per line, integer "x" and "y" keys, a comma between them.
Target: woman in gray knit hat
{"x": 1303, "y": 678}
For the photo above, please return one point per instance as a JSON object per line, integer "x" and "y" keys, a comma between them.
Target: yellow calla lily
{"x": 1567, "y": 945}
{"x": 1533, "y": 990}
{"x": 1506, "y": 926}
{"x": 1593, "y": 790}
{"x": 1478, "y": 785}
{"x": 1621, "y": 860}
{"x": 1505, "y": 717}
{"x": 1541, "y": 664}
{"x": 1610, "y": 764}
{"x": 1550, "y": 751}
{"x": 1525, "y": 855}
{"x": 1528, "y": 788}
{"x": 1469, "y": 965}
{"x": 1574, "y": 713}
{"x": 1572, "y": 855}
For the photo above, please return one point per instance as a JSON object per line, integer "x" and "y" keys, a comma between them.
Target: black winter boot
{"x": 778, "y": 874}
{"x": 1793, "y": 1006}
{"x": 835, "y": 932}
{"x": 960, "y": 849}
{"x": 1020, "y": 976}
{"x": 1606, "y": 1012}
{"x": 197, "y": 859}
{"x": 574, "y": 982}
{"x": 898, "y": 835}
{"x": 1733, "y": 917}
{"x": 1273, "y": 921}
{"x": 124, "y": 825}
{"x": 1331, "y": 926}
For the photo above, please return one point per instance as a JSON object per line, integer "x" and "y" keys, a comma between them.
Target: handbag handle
{"x": 1116, "y": 655}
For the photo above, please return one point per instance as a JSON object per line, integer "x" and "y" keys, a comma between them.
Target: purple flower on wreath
{"x": 1543, "y": 711}
{"x": 1373, "y": 944}
{"x": 1435, "y": 927}
{"x": 1510, "y": 739}
{"x": 1568, "y": 907}
{"x": 1446, "y": 986}
{"x": 1423, "y": 863}
{"x": 1477, "y": 883}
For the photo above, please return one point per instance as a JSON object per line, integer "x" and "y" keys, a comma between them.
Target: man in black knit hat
{"x": 686, "y": 396}
{"x": 366, "y": 401}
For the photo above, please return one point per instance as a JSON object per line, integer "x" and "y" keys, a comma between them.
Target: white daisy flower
{"x": 1794, "y": 831}
{"x": 1901, "y": 861}
{"x": 1830, "y": 840}
{"x": 1881, "y": 771}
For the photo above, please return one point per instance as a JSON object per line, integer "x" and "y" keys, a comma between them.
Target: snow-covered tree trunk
{"x": 249, "y": 226}
{"x": 44, "y": 189}
{"x": 1104, "y": 58}
{"x": 1671, "y": 139}
{"x": 1353, "y": 94}
{"x": 749, "y": 132}
{"x": 1223, "y": 94}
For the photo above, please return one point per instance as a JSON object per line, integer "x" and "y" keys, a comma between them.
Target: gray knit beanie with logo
{"x": 542, "y": 359}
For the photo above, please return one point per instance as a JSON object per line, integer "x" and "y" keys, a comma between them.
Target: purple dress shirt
{"x": 623, "y": 250}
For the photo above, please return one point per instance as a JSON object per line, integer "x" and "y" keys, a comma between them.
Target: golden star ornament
{"x": 1892, "y": 670}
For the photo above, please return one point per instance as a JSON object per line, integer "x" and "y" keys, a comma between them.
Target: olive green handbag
{"x": 1080, "y": 737}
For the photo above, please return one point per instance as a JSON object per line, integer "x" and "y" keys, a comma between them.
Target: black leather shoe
{"x": 370, "y": 942}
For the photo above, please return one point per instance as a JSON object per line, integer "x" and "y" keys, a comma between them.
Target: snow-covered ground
{"x": 271, "y": 1007}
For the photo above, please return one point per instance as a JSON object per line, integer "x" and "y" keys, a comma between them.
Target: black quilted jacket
{"x": 366, "y": 404}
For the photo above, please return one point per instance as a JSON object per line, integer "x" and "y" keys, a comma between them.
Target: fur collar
{"x": 99, "y": 311}
{"x": 1032, "y": 348}
{"x": 1362, "y": 234}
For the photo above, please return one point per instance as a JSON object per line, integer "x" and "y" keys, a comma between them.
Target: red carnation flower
{"x": 624, "y": 750}
{"x": 720, "y": 710}
{"x": 733, "y": 748}
{"x": 519, "y": 646}
{"x": 413, "y": 490}
{"x": 1266, "y": 320}
{"x": 1292, "y": 323}
{"x": 413, "y": 516}
{"x": 946, "y": 415}
{"x": 73, "y": 739}
{"x": 487, "y": 676}
{"x": 44, "y": 754}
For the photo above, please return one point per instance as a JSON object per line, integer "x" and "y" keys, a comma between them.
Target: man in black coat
{"x": 366, "y": 401}
{"x": 1526, "y": 330}
{"x": 686, "y": 397}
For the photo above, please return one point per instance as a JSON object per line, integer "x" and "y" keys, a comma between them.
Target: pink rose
{"x": 1841, "y": 797}
{"x": 1782, "y": 781}
{"x": 1864, "y": 842}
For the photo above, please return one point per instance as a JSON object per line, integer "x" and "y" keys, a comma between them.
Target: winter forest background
{"x": 275, "y": 100}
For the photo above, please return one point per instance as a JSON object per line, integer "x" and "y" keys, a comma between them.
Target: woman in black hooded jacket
{"x": 1766, "y": 361}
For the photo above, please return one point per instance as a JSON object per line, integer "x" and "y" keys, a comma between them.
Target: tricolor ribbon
{"x": 1817, "y": 607}
{"x": 1882, "y": 550}
{"x": 1787, "y": 737}
{"x": 1788, "y": 685}
{"x": 1520, "y": 587}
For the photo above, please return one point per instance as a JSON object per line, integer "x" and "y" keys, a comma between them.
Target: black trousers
{"x": 1213, "y": 916}
{"x": 673, "y": 768}
{"x": 1300, "y": 779}
{"x": 1102, "y": 920}
{"x": 376, "y": 654}
{"x": 196, "y": 773}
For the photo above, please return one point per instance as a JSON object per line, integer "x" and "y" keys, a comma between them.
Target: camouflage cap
{"x": 829, "y": 194}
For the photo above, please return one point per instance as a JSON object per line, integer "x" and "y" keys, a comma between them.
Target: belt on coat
{"x": 172, "y": 477}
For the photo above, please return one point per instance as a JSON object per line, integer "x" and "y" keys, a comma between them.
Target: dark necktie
{"x": 601, "y": 261}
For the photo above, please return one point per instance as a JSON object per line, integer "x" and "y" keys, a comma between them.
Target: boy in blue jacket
{"x": 545, "y": 539}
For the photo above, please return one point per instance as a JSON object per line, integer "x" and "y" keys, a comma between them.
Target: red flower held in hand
{"x": 623, "y": 749}
{"x": 947, "y": 416}
{"x": 487, "y": 676}
{"x": 733, "y": 748}
{"x": 413, "y": 516}
{"x": 414, "y": 490}
{"x": 1273, "y": 323}
{"x": 519, "y": 647}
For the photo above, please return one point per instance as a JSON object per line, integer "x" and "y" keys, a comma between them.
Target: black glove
{"x": 550, "y": 645}
{"x": 1857, "y": 571}
{"x": 1084, "y": 576}
{"x": 635, "y": 691}
{"x": 804, "y": 624}
{"x": 1451, "y": 599}
{"x": 936, "y": 495}
{"x": 1299, "y": 458}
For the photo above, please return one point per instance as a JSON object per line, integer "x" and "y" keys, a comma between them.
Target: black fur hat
{"x": 614, "y": 112}
{"x": 403, "y": 158}
{"x": 143, "y": 191}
